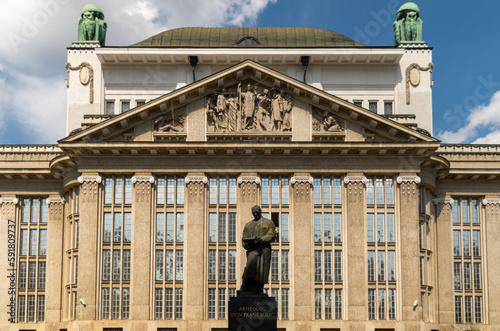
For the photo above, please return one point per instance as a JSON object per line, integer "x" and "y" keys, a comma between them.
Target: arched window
{"x": 248, "y": 41}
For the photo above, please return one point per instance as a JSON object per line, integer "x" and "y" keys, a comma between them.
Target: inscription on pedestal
{"x": 252, "y": 313}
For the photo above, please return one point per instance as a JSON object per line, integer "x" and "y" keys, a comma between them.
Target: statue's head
{"x": 409, "y": 10}
{"x": 91, "y": 11}
{"x": 256, "y": 211}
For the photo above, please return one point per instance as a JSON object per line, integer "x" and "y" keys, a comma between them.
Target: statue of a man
{"x": 258, "y": 235}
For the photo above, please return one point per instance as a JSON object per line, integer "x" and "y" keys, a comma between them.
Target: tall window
{"x": 275, "y": 196}
{"x": 32, "y": 260}
{"x": 169, "y": 248}
{"x": 116, "y": 248}
{"x": 221, "y": 245}
{"x": 381, "y": 243}
{"x": 328, "y": 248}
{"x": 467, "y": 264}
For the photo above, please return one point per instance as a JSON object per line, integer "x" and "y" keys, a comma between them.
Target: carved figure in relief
{"x": 91, "y": 25}
{"x": 256, "y": 110}
{"x": 249, "y": 99}
{"x": 258, "y": 235}
{"x": 325, "y": 122}
{"x": 169, "y": 123}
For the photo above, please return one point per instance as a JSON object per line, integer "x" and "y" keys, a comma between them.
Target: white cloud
{"x": 37, "y": 32}
{"x": 480, "y": 118}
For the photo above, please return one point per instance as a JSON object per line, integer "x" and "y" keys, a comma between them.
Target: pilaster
{"x": 141, "y": 240}
{"x": 409, "y": 248}
{"x": 195, "y": 233}
{"x": 8, "y": 247}
{"x": 55, "y": 235}
{"x": 87, "y": 252}
{"x": 444, "y": 245}
{"x": 492, "y": 245}
{"x": 303, "y": 237}
{"x": 355, "y": 245}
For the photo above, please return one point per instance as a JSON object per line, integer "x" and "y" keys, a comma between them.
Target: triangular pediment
{"x": 244, "y": 102}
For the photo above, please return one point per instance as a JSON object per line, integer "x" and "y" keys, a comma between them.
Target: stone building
{"x": 133, "y": 221}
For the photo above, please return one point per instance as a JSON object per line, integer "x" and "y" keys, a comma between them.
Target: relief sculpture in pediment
{"x": 256, "y": 109}
{"x": 323, "y": 121}
{"x": 169, "y": 123}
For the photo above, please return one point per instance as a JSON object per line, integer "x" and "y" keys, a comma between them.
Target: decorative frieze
{"x": 196, "y": 179}
{"x": 408, "y": 179}
{"x": 143, "y": 179}
{"x": 56, "y": 205}
{"x": 89, "y": 179}
{"x": 302, "y": 180}
{"x": 355, "y": 179}
{"x": 443, "y": 201}
{"x": 249, "y": 180}
{"x": 8, "y": 205}
{"x": 491, "y": 202}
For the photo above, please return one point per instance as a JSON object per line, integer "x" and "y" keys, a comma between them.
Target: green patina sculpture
{"x": 91, "y": 25}
{"x": 408, "y": 25}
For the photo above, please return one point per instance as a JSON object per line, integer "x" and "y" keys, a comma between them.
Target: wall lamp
{"x": 305, "y": 62}
{"x": 193, "y": 60}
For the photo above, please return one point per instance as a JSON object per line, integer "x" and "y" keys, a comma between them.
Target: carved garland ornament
{"x": 86, "y": 76}
{"x": 413, "y": 77}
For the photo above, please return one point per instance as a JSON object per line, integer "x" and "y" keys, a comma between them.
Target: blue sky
{"x": 465, "y": 38}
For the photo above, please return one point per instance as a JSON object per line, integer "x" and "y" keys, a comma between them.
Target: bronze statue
{"x": 258, "y": 235}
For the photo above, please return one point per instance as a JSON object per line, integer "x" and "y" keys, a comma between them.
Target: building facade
{"x": 134, "y": 220}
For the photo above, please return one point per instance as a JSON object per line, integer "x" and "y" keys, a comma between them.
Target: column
{"x": 8, "y": 248}
{"x": 355, "y": 245}
{"x": 87, "y": 250}
{"x": 195, "y": 257}
{"x": 445, "y": 287}
{"x": 303, "y": 257}
{"x": 55, "y": 235}
{"x": 409, "y": 248}
{"x": 140, "y": 278}
{"x": 248, "y": 196}
{"x": 491, "y": 282}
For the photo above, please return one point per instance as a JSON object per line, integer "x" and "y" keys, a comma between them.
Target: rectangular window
{"x": 117, "y": 227}
{"x": 274, "y": 265}
{"x": 222, "y": 303}
{"x": 169, "y": 265}
{"x": 232, "y": 228}
{"x": 381, "y": 304}
{"x": 358, "y": 103}
{"x": 391, "y": 275}
{"x": 222, "y": 227}
{"x": 275, "y": 184}
{"x": 317, "y": 304}
{"x": 231, "y": 265}
{"x": 380, "y": 228}
{"x": 317, "y": 191}
{"x": 128, "y": 191}
{"x": 125, "y": 303}
{"x": 284, "y": 265}
{"x": 392, "y": 303}
{"x": 474, "y": 211}
{"x": 178, "y": 303}
{"x": 41, "y": 308}
{"x": 35, "y": 208}
{"x": 371, "y": 304}
{"x": 140, "y": 103}
{"x": 379, "y": 190}
{"x": 170, "y": 191}
{"x": 265, "y": 191}
{"x": 158, "y": 303}
{"x": 106, "y": 264}
{"x": 476, "y": 248}
{"x": 212, "y": 262}
{"x": 457, "y": 275}
{"x": 179, "y": 265}
{"x": 477, "y": 276}
{"x": 180, "y": 227}
{"x": 328, "y": 265}
{"x": 21, "y": 308}
{"x": 371, "y": 266}
{"x": 369, "y": 192}
{"x": 180, "y": 191}
{"x": 212, "y": 227}
{"x": 284, "y": 228}
{"x": 159, "y": 265}
{"x": 381, "y": 265}
{"x": 45, "y": 211}
{"x": 372, "y": 106}
{"x": 456, "y": 219}
{"x": 127, "y": 227}
{"x": 222, "y": 191}
{"x": 478, "y": 310}
{"x": 370, "y": 228}
{"x": 33, "y": 242}
{"x": 317, "y": 227}
{"x": 32, "y": 275}
{"x": 211, "y": 303}
{"x": 126, "y": 264}
{"x": 116, "y": 264}
{"x": 284, "y": 304}
{"x": 105, "y": 304}
{"x": 465, "y": 211}
{"x": 337, "y": 234}
{"x": 317, "y": 265}
{"x": 284, "y": 191}
{"x": 169, "y": 303}
{"x": 43, "y": 243}
{"x": 107, "y": 228}
{"x": 31, "y": 308}
{"x": 170, "y": 227}
{"x": 338, "y": 304}
{"x": 110, "y": 108}
{"x": 328, "y": 304}
{"x": 125, "y": 106}
{"x": 327, "y": 191}
{"x": 338, "y": 266}
{"x": 115, "y": 303}
{"x": 387, "y": 108}
{"x": 468, "y": 309}
{"x": 390, "y": 227}
{"x": 212, "y": 191}
{"x": 42, "y": 274}
{"x": 24, "y": 242}
{"x": 467, "y": 282}
{"x": 327, "y": 227}
{"x": 160, "y": 224}
{"x": 466, "y": 242}
{"x": 222, "y": 265}
{"x": 456, "y": 242}
{"x": 118, "y": 191}
{"x": 26, "y": 211}
{"x": 22, "y": 275}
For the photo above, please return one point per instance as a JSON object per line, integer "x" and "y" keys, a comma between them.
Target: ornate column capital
{"x": 61, "y": 201}
{"x": 354, "y": 179}
{"x": 143, "y": 179}
{"x": 196, "y": 179}
{"x": 89, "y": 179}
{"x": 408, "y": 179}
{"x": 13, "y": 201}
{"x": 249, "y": 180}
{"x": 443, "y": 201}
{"x": 491, "y": 202}
{"x": 302, "y": 180}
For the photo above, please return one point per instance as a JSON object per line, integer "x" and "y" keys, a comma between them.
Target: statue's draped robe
{"x": 259, "y": 259}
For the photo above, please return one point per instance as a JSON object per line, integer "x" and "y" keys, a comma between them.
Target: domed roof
{"x": 248, "y": 37}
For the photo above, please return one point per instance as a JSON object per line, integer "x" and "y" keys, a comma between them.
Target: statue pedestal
{"x": 252, "y": 313}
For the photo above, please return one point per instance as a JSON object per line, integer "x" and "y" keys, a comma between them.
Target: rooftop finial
{"x": 91, "y": 25}
{"x": 408, "y": 25}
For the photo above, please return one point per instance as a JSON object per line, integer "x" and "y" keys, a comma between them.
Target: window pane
{"x": 179, "y": 265}
{"x": 159, "y": 265}
{"x": 106, "y": 264}
{"x": 371, "y": 304}
{"x": 465, "y": 211}
{"x": 211, "y": 264}
{"x": 381, "y": 265}
{"x": 222, "y": 265}
{"x": 118, "y": 190}
{"x": 222, "y": 191}
{"x": 105, "y": 303}
{"x": 43, "y": 243}
{"x": 231, "y": 265}
{"x": 212, "y": 227}
{"x": 380, "y": 228}
{"x": 381, "y": 304}
{"x": 170, "y": 191}
{"x": 380, "y": 191}
{"x": 390, "y": 228}
{"x": 128, "y": 191}
{"x": 284, "y": 191}
{"x": 328, "y": 265}
{"x": 180, "y": 191}
{"x": 107, "y": 227}
{"x": 116, "y": 264}
{"x": 317, "y": 227}
{"x": 327, "y": 191}
{"x": 317, "y": 265}
{"x": 42, "y": 274}
{"x": 370, "y": 235}
{"x": 212, "y": 191}
{"x": 317, "y": 304}
{"x": 337, "y": 227}
{"x": 126, "y": 264}
{"x": 371, "y": 266}
{"x": 327, "y": 230}
{"x": 456, "y": 242}
{"x": 284, "y": 228}
{"x": 127, "y": 227}
{"x": 317, "y": 191}
{"x": 222, "y": 227}
{"x": 456, "y": 219}
{"x": 35, "y": 209}
{"x": 391, "y": 275}
{"x": 232, "y": 191}
{"x": 265, "y": 191}
{"x": 24, "y": 242}
{"x": 180, "y": 227}
{"x": 117, "y": 228}
{"x": 284, "y": 265}
{"x": 274, "y": 265}
{"x": 125, "y": 303}
{"x": 474, "y": 211}
{"x": 476, "y": 249}
{"x": 338, "y": 266}
{"x": 169, "y": 264}
{"x": 160, "y": 191}
{"x": 33, "y": 241}
{"x": 45, "y": 211}
{"x": 170, "y": 227}
{"x": 160, "y": 227}
{"x": 466, "y": 242}
{"x": 457, "y": 275}
{"x": 232, "y": 228}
